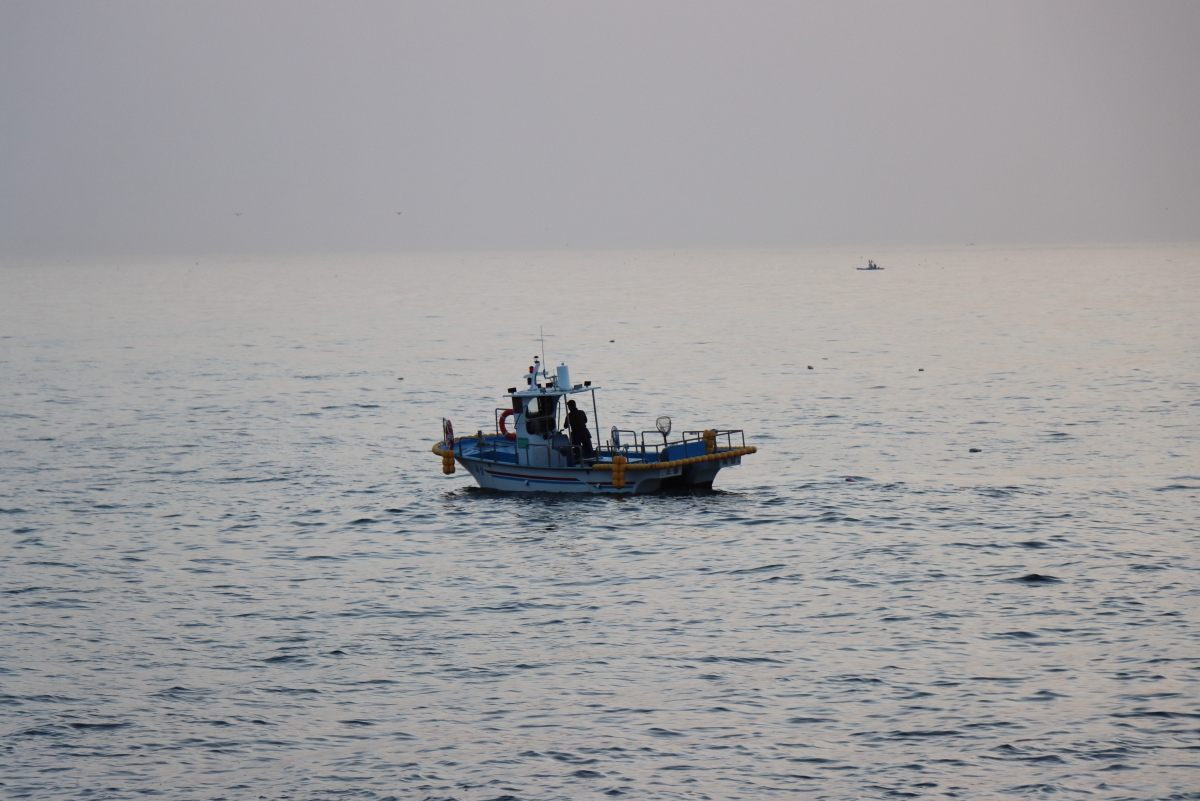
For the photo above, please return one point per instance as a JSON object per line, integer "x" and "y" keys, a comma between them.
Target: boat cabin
{"x": 533, "y": 431}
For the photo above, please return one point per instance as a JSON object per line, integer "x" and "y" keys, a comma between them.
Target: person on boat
{"x": 580, "y": 436}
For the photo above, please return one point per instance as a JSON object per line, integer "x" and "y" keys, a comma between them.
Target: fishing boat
{"x": 871, "y": 265}
{"x": 537, "y": 445}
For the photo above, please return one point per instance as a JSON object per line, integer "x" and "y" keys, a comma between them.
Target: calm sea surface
{"x": 232, "y": 569}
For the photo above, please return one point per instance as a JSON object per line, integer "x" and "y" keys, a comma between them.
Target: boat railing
{"x": 727, "y": 433}
{"x": 623, "y": 447}
{"x": 724, "y": 439}
{"x": 653, "y": 446}
{"x": 638, "y": 450}
{"x": 687, "y": 437}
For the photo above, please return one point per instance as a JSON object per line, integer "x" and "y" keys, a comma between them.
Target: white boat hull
{"x": 522, "y": 478}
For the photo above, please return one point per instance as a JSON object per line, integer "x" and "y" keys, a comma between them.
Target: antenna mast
{"x": 542, "y": 336}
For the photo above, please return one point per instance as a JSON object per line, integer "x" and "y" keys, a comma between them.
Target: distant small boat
{"x": 870, "y": 266}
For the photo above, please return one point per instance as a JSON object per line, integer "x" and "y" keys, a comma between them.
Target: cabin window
{"x": 539, "y": 414}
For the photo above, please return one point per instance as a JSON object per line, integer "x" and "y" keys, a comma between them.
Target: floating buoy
{"x": 850, "y": 480}
{"x": 612, "y": 340}
{"x": 920, "y": 369}
{"x": 974, "y": 450}
{"x": 810, "y": 367}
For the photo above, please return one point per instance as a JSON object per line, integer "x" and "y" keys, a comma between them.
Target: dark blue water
{"x": 231, "y": 567}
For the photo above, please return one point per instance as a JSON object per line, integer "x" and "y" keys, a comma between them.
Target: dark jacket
{"x": 577, "y": 422}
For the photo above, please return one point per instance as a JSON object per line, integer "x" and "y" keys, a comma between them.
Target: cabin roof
{"x": 530, "y": 393}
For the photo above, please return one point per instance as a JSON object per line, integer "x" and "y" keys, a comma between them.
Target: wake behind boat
{"x": 549, "y": 448}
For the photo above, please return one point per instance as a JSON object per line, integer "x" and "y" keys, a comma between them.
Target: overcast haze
{"x": 130, "y": 127}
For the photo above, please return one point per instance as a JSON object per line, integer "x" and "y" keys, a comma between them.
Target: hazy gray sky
{"x": 191, "y": 127}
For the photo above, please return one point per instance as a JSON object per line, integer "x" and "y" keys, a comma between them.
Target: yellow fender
{"x": 447, "y": 457}
{"x": 618, "y": 468}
